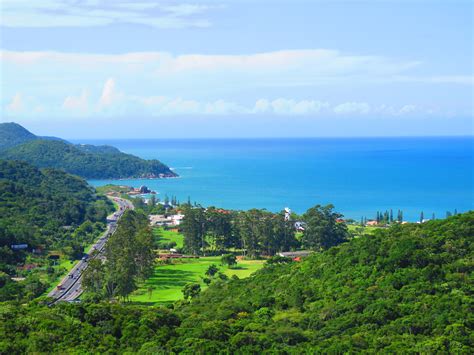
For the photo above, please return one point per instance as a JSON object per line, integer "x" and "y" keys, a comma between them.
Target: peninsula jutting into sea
{"x": 86, "y": 160}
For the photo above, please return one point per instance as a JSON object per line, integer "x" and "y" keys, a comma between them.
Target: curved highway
{"x": 70, "y": 287}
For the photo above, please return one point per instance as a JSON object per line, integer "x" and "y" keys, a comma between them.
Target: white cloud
{"x": 282, "y": 106}
{"x": 160, "y": 83}
{"x": 65, "y": 13}
{"x": 113, "y": 102}
{"x": 348, "y": 108}
{"x": 110, "y": 95}
{"x": 161, "y": 105}
{"x": 78, "y": 104}
{"x": 407, "y": 109}
{"x": 16, "y": 104}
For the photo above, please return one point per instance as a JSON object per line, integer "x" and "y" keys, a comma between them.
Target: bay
{"x": 358, "y": 175}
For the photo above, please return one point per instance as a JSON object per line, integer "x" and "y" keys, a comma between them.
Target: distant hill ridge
{"x": 86, "y": 160}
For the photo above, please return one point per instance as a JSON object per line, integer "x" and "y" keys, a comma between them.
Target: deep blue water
{"x": 358, "y": 175}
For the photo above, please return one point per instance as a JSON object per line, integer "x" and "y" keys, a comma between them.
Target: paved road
{"x": 70, "y": 287}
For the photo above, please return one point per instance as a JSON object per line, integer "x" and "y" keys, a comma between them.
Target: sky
{"x": 237, "y": 68}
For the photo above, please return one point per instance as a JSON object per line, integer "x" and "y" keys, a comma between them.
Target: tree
{"x": 129, "y": 257}
{"x": 191, "y": 290}
{"x": 400, "y": 216}
{"x": 219, "y": 228}
{"x": 194, "y": 230}
{"x": 152, "y": 201}
{"x": 94, "y": 278}
{"x": 212, "y": 270}
{"x": 322, "y": 230}
{"x": 228, "y": 259}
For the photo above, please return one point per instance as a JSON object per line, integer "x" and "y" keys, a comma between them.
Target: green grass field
{"x": 167, "y": 236}
{"x": 168, "y": 280}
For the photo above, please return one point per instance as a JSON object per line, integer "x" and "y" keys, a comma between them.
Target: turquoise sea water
{"x": 358, "y": 175}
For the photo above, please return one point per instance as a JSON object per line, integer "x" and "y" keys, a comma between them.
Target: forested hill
{"x": 43, "y": 210}
{"x": 406, "y": 289}
{"x": 88, "y": 161}
{"x": 36, "y": 205}
{"x": 12, "y": 134}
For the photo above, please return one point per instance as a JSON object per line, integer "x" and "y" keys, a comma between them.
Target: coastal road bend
{"x": 70, "y": 287}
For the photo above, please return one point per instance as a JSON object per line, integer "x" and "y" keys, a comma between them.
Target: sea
{"x": 359, "y": 176}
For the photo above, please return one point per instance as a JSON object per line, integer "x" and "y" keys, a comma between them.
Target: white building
{"x": 176, "y": 219}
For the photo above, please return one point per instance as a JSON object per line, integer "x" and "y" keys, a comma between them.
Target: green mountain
{"x": 12, "y": 134}
{"x": 88, "y": 161}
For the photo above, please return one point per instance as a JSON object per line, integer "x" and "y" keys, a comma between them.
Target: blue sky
{"x": 95, "y": 68}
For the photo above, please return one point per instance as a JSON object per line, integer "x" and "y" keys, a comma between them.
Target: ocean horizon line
{"x": 273, "y": 138}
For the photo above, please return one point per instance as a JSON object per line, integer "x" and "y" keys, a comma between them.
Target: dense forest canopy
{"x": 44, "y": 209}
{"x": 88, "y": 161}
{"x": 405, "y": 289}
{"x": 34, "y": 202}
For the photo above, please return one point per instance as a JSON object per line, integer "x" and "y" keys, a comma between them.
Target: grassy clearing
{"x": 168, "y": 280}
{"x": 167, "y": 236}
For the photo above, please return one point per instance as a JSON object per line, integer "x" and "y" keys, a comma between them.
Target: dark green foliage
{"x": 36, "y": 205}
{"x": 322, "y": 230}
{"x": 191, "y": 290}
{"x": 279, "y": 260}
{"x": 212, "y": 270}
{"x": 193, "y": 228}
{"x": 46, "y": 209}
{"x": 91, "y": 163}
{"x": 88, "y": 328}
{"x": 255, "y": 231}
{"x": 129, "y": 258}
{"x": 228, "y": 259}
{"x": 406, "y": 289}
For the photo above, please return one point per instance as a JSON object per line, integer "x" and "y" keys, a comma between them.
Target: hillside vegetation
{"x": 45, "y": 209}
{"x": 12, "y": 134}
{"x": 85, "y": 160}
{"x": 407, "y": 289}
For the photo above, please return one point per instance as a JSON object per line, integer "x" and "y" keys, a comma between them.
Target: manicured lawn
{"x": 168, "y": 280}
{"x": 167, "y": 236}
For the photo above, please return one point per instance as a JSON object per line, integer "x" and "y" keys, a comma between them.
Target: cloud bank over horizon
{"x": 161, "y": 84}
